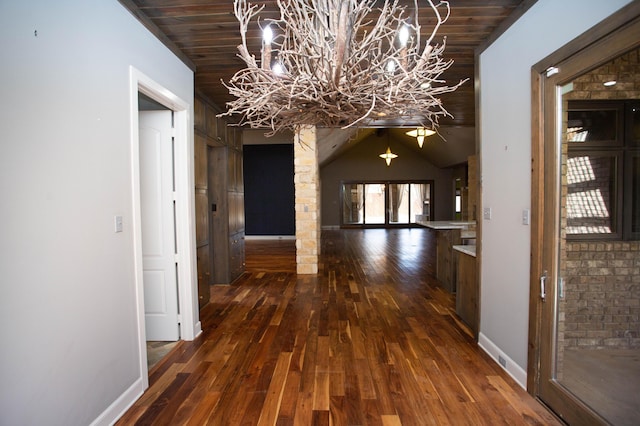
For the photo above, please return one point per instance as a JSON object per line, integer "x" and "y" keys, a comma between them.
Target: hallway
{"x": 371, "y": 340}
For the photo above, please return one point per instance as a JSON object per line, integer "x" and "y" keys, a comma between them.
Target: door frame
{"x": 575, "y": 58}
{"x": 190, "y": 325}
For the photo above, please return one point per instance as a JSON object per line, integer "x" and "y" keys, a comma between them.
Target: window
{"x": 603, "y": 170}
{"x": 377, "y": 203}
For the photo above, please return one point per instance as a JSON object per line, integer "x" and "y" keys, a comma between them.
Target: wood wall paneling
{"x": 219, "y": 198}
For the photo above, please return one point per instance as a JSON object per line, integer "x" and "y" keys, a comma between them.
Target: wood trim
{"x": 157, "y": 32}
{"x": 614, "y": 22}
{"x": 537, "y": 208}
{"x": 478, "y": 189}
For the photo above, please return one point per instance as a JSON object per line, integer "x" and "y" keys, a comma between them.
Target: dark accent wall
{"x": 269, "y": 190}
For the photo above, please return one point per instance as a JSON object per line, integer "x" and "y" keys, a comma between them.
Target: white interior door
{"x": 158, "y": 226}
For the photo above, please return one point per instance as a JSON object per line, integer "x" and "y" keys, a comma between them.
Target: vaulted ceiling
{"x": 205, "y": 34}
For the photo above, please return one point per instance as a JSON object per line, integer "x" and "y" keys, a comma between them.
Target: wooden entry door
{"x": 569, "y": 257}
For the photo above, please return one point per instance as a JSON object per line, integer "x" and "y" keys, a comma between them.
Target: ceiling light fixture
{"x": 420, "y": 133}
{"x": 267, "y": 38}
{"x": 344, "y": 63}
{"x": 610, "y": 83}
{"x": 388, "y": 156}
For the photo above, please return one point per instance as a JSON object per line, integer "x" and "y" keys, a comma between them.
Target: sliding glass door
{"x": 585, "y": 306}
{"x": 352, "y": 203}
{"x": 390, "y": 203}
{"x": 398, "y": 203}
{"x": 374, "y": 205}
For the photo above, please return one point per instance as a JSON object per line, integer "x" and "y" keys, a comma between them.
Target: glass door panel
{"x": 399, "y": 203}
{"x": 634, "y": 196}
{"x": 596, "y": 360}
{"x": 352, "y": 203}
{"x": 386, "y": 203}
{"x": 374, "y": 204}
{"x": 420, "y": 202}
{"x": 590, "y": 332}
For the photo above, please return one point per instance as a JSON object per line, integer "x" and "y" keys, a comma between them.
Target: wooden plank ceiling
{"x": 207, "y": 33}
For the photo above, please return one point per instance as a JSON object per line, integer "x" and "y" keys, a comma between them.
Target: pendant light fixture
{"x": 420, "y": 133}
{"x": 313, "y": 52}
{"x": 388, "y": 156}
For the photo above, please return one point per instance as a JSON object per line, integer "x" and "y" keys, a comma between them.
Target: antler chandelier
{"x": 339, "y": 63}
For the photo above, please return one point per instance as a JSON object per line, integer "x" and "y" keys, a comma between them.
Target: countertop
{"x": 466, "y": 234}
{"x": 445, "y": 224}
{"x": 466, "y": 249}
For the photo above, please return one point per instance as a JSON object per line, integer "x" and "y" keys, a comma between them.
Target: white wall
{"x": 67, "y": 308}
{"x": 505, "y": 124}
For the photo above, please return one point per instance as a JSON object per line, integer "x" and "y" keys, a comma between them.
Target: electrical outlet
{"x": 502, "y": 361}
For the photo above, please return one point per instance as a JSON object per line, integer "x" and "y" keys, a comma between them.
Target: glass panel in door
{"x": 374, "y": 203}
{"x": 634, "y": 170}
{"x": 590, "y": 345}
{"x": 420, "y": 202}
{"x": 352, "y": 203}
{"x": 398, "y": 203}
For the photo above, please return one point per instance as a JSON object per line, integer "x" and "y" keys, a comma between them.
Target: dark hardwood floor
{"x": 371, "y": 340}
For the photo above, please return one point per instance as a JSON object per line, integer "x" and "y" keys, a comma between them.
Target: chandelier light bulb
{"x": 391, "y": 66}
{"x": 278, "y": 69}
{"x": 267, "y": 34}
{"x": 404, "y": 35}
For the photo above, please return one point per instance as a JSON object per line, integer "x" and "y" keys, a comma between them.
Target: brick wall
{"x": 602, "y": 295}
{"x": 590, "y": 196}
{"x": 625, "y": 70}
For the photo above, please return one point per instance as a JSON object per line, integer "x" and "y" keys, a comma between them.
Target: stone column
{"x": 307, "y": 200}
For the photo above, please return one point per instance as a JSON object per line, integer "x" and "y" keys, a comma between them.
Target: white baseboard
{"x": 510, "y": 366}
{"x": 120, "y": 405}
{"x": 197, "y": 329}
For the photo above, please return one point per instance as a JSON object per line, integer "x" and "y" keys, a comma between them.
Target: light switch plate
{"x": 486, "y": 213}
{"x": 526, "y": 217}
{"x": 118, "y": 223}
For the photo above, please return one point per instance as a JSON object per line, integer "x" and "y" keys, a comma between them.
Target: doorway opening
{"x": 157, "y": 184}
{"x": 177, "y": 241}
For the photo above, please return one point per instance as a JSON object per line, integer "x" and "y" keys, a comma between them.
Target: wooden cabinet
{"x": 201, "y": 201}
{"x": 445, "y": 266}
{"x": 227, "y": 213}
{"x": 219, "y": 199}
{"x": 204, "y": 275}
{"x": 468, "y": 294}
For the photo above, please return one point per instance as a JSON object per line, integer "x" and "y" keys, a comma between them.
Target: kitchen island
{"x": 468, "y": 294}
{"x": 449, "y": 234}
